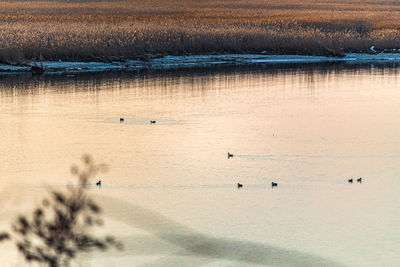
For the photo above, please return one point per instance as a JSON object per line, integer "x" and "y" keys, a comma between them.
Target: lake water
{"x": 171, "y": 191}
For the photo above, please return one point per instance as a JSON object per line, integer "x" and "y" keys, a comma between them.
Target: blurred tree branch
{"x": 59, "y": 228}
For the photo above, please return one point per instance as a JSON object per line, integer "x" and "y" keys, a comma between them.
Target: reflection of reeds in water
{"x": 59, "y": 228}
{"x": 74, "y": 212}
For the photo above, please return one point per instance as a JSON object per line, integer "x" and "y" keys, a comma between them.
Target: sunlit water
{"x": 308, "y": 128}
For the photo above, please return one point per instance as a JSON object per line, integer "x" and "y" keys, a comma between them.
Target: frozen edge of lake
{"x": 174, "y": 62}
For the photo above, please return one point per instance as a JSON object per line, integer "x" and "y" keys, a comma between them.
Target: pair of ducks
{"x": 359, "y": 180}
{"x": 239, "y": 185}
{"x": 122, "y": 120}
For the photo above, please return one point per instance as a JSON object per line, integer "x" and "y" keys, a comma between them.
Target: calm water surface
{"x": 309, "y": 128}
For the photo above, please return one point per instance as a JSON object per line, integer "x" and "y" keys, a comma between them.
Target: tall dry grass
{"x": 141, "y": 28}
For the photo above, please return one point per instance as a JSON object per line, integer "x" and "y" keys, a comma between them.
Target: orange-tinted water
{"x": 309, "y": 129}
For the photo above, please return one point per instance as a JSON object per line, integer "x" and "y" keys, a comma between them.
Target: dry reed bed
{"x": 137, "y": 28}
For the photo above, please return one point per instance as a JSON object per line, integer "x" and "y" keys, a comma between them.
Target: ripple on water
{"x": 141, "y": 121}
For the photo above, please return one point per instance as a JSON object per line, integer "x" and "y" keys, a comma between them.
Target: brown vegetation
{"x": 139, "y": 28}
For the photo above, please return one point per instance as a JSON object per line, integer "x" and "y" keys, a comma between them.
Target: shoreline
{"x": 194, "y": 61}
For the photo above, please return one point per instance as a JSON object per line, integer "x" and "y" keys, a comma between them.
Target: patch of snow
{"x": 12, "y": 68}
{"x": 372, "y": 48}
{"x": 170, "y": 62}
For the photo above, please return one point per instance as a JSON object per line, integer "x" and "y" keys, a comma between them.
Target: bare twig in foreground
{"x": 59, "y": 228}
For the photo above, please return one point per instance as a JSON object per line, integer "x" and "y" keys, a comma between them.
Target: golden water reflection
{"x": 308, "y": 128}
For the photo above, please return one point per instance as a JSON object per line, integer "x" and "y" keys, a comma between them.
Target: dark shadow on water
{"x": 176, "y": 243}
{"x": 196, "y": 245}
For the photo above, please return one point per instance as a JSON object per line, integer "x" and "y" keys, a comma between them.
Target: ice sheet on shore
{"x": 173, "y": 62}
